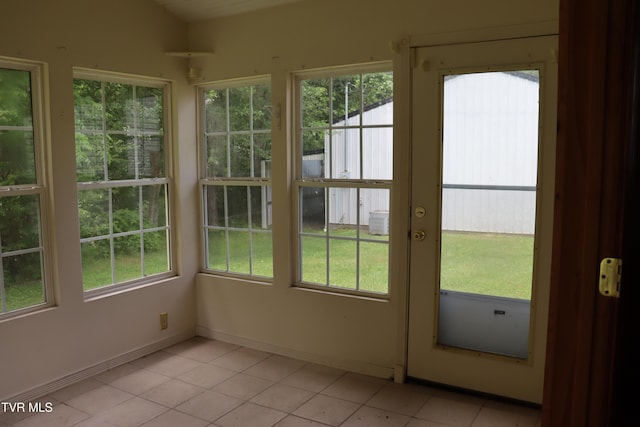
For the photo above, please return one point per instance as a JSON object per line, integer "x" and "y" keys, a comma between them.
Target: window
{"x": 236, "y": 186}
{"x": 123, "y": 181}
{"x": 344, "y": 181}
{"x": 24, "y": 284}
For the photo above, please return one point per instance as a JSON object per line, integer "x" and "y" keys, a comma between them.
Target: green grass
{"x": 488, "y": 264}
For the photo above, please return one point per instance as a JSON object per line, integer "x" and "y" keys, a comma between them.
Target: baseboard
{"x": 347, "y": 365}
{"x": 45, "y": 389}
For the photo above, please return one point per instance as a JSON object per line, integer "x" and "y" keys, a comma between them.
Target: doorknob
{"x": 419, "y": 235}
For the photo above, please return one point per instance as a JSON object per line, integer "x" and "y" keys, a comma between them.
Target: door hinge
{"x": 610, "y": 275}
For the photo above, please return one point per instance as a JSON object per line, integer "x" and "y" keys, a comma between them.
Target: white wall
{"x": 39, "y": 349}
{"x": 357, "y": 333}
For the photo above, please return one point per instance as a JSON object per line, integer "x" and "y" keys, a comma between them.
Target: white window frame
{"x": 39, "y": 111}
{"x": 168, "y": 181}
{"x": 229, "y": 181}
{"x": 357, "y": 184}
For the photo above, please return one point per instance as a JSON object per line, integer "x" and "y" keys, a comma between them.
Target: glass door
{"x": 482, "y": 201}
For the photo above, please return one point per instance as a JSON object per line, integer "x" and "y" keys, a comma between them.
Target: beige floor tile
{"x": 173, "y": 418}
{"x": 399, "y": 398}
{"x": 132, "y": 412}
{"x": 201, "y": 349}
{"x": 313, "y": 377}
{"x": 172, "y": 393}
{"x": 117, "y": 372}
{"x": 139, "y": 381}
{"x": 99, "y": 399}
{"x": 283, "y": 397}
{"x": 355, "y": 388}
{"x": 240, "y": 359}
{"x": 206, "y": 376}
{"x": 499, "y": 414}
{"x": 61, "y": 416}
{"x": 251, "y": 415}
{"x": 167, "y": 364}
{"x": 209, "y": 405}
{"x": 95, "y": 421}
{"x": 293, "y": 421}
{"x": 327, "y": 410}
{"x": 374, "y": 417}
{"x": 242, "y": 386}
{"x": 456, "y": 410}
{"x": 275, "y": 368}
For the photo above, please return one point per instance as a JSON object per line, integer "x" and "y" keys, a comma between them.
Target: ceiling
{"x": 200, "y": 10}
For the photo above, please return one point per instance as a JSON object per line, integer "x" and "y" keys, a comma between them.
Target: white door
{"x": 483, "y": 150}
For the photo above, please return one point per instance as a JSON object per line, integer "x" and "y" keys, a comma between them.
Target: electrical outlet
{"x": 164, "y": 321}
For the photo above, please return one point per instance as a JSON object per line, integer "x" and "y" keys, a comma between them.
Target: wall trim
{"x": 83, "y": 374}
{"x": 347, "y": 365}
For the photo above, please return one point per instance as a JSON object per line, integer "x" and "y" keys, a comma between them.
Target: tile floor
{"x": 203, "y": 382}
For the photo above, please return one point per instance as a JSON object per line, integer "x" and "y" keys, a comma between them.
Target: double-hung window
{"x": 122, "y": 169}
{"x": 236, "y": 178}
{"x": 343, "y": 181}
{"x": 24, "y": 282}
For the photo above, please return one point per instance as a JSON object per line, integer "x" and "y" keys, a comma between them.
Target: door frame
{"x": 596, "y": 161}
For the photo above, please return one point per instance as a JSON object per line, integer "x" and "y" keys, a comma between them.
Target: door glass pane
{"x": 489, "y": 176}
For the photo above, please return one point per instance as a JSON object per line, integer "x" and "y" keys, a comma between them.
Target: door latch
{"x": 610, "y": 275}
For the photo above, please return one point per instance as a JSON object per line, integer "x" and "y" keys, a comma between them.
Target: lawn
{"x": 490, "y": 264}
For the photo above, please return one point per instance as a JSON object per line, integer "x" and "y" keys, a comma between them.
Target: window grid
{"x": 134, "y": 131}
{"x": 333, "y": 181}
{"x": 213, "y": 181}
{"x": 29, "y": 288}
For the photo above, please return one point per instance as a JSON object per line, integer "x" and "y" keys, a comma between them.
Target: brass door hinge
{"x": 610, "y": 275}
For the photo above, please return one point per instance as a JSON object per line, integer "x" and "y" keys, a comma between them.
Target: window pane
{"x": 155, "y": 206}
{"x": 240, "y": 108}
{"x": 313, "y": 157}
{"x": 156, "y": 252}
{"x": 261, "y": 207}
{"x": 239, "y": 251}
{"x": 15, "y": 98}
{"x": 374, "y": 213}
{"x": 315, "y": 103}
{"x": 122, "y": 152}
{"x": 378, "y": 97}
{"x": 217, "y": 245}
{"x": 90, "y": 159}
{"x": 93, "y": 212}
{"x": 237, "y": 207}
{"x": 88, "y": 105}
{"x": 126, "y": 209}
{"x": 127, "y": 258}
{"x": 262, "y": 254}
{"x": 241, "y": 155}
{"x": 262, "y": 155}
{"x": 23, "y": 283}
{"x": 312, "y": 207}
{"x": 343, "y": 211}
{"x": 19, "y": 223}
{"x": 343, "y": 263}
{"x": 17, "y": 157}
{"x": 262, "y": 107}
{"x": 345, "y": 154}
{"x": 217, "y": 153}
{"x": 346, "y": 101}
{"x": 377, "y": 153}
{"x": 119, "y": 111}
{"x": 215, "y": 210}
{"x": 215, "y": 110}
{"x": 374, "y": 267}
{"x": 149, "y": 106}
{"x": 150, "y": 159}
{"x": 95, "y": 271}
{"x": 313, "y": 260}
